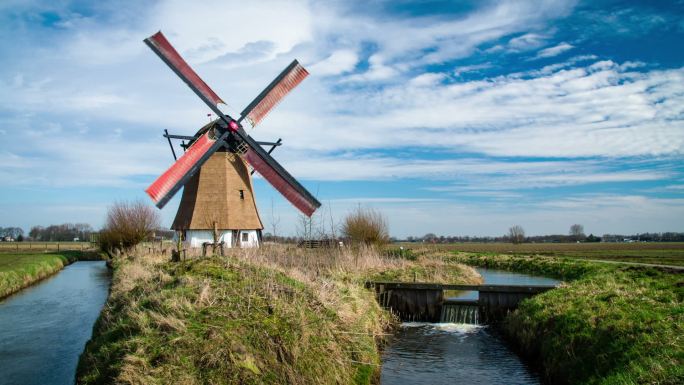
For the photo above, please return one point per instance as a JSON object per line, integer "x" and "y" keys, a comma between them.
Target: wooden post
{"x": 215, "y": 236}
{"x": 57, "y": 246}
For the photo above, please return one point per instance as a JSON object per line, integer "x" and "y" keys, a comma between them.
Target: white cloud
{"x": 554, "y": 51}
{"x": 208, "y": 30}
{"x": 526, "y": 42}
{"x": 471, "y": 68}
{"x": 337, "y": 63}
{"x": 92, "y": 100}
{"x": 427, "y": 79}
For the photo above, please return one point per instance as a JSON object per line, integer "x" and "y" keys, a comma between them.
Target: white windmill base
{"x": 243, "y": 238}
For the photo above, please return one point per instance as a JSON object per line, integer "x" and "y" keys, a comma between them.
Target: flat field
{"x": 37, "y": 247}
{"x": 664, "y": 253}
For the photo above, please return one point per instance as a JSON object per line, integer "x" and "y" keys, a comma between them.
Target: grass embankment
{"x": 18, "y": 271}
{"x": 665, "y": 253}
{"x": 266, "y": 316}
{"x": 608, "y": 324}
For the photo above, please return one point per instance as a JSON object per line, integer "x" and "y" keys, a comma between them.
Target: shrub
{"x": 127, "y": 225}
{"x": 366, "y": 226}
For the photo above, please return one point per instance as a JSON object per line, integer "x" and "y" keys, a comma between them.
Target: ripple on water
{"x": 447, "y": 353}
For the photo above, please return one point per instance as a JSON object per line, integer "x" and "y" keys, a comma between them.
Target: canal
{"x": 451, "y": 353}
{"x": 44, "y": 328}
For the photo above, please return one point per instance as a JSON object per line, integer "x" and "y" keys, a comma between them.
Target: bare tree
{"x": 516, "y": 234}
{"x": 275, "y": 221}
{"x": 333, "y": 225}
{"x": 366, "y": 225}
{"x": 577, "y": 232}
{"x": 128, "y": 224}
{"x": 305, "y": 227}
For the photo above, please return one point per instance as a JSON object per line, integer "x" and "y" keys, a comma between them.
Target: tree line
{"x": 65, "y": 232}
{"x": 16, "y": 233}
{"x": 516, "y": 234}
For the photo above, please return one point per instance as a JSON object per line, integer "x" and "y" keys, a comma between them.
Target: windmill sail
{"x": 163, "y": 189}
{"x": 279, "y": 178}
{"x": 172, "y": 58}
{"x": 180, "y": 172}
{"x": 274, "y": 93}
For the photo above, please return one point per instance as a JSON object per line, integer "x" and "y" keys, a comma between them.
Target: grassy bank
{"x": 607, "y": 324}
{"x": 267, "y": 316}
{"x": 18, "y": 271}
{"x": 666, "y": 253}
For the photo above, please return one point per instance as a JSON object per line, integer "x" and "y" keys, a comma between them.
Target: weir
{"x": 425, "y": 302}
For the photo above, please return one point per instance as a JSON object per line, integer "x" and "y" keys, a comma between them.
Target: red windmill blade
{"x": 229, "y": 133}
{"x": 274, "y": 93}
{"x": 173, "y": 59}
{"x": 168, "y": 183}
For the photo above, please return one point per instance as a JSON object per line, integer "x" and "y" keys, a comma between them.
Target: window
{"x": 245, "y": 237}
{"x": 242, "y": 194}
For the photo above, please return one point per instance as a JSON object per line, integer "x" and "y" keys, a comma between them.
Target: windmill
{"x": 218, "y": 197}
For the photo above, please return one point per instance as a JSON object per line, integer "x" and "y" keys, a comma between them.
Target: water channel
{"x": 44, "y": 328}
{"x": 451, "y": 353}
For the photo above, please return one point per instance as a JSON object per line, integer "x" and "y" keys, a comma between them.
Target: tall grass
{"x": 274, "y": 315}
{"x": 229, "y": 320}
{"x": 362, "y": 262}
{"x": 608, "y": 324}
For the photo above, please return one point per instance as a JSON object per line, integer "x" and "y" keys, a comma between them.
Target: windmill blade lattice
{"x": 290, "y": 78}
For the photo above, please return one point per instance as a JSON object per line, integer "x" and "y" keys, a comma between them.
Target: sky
{"x": 449, "y": 117}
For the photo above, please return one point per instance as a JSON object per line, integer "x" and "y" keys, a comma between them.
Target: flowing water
{"x": 458, "y": 353}
{"x": 460, "y": 313}
{"x": 44, "y": 328}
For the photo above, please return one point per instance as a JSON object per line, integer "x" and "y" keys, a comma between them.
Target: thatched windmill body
{"x": 218, "y": 200}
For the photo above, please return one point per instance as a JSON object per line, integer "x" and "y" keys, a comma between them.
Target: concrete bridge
{"x": 425, "y": 302}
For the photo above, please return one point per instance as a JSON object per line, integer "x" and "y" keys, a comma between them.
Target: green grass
{"x": 222, "y": 320}
{"x": 609, "y": 324}
{"x": 666, "y": 253}
{"x": 428, "y": 272}
{"x": 21, "y": 270}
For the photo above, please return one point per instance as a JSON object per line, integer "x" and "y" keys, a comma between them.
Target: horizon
{"x": 488, "y": 115}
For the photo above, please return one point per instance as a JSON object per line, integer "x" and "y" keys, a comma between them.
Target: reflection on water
{"x": 44, "y": 328}
{"x": 447, "y": 353}
{"x": 501, "y": 277}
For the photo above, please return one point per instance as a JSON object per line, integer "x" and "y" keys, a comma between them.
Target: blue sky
{"x": 451, "y": 117}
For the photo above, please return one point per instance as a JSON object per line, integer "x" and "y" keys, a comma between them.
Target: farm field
{"x": 23, "y": 247}
{"x": 655, "y": 253}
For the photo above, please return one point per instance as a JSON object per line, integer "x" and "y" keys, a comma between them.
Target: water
{"x": 464, "y": 353}
{"x": 44, "y": 328}
{"x": 502, "y": 277}
{"x": 458, "y": 313}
